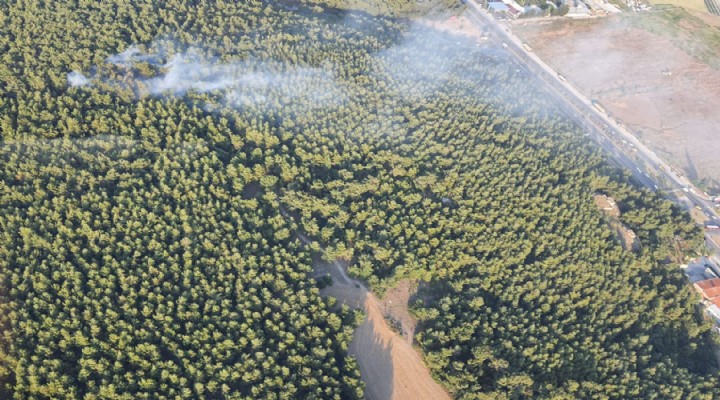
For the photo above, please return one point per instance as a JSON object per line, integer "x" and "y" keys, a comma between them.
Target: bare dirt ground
{"x": 658, "y": 72}
{"x": 389, "y": 365}
{"x": 698, "y": 216}
{"x": 607, "y": 205}
{"x": 395, "y": 307}
{"x": 712, "y": 20}
{"x": 626, "y": 236}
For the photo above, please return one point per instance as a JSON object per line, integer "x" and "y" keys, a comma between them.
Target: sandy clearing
{"x": 607, "y": 205}
{"x": 395, "y": 306}
{"x": 389, "y": 365}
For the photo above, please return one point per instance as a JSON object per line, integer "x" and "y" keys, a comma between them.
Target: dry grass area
{"x": 658, "y": 72}
{"x": 389, "y": 365}
{"x": 459, "y": 25}
{"x": 694, "y": 5}
{"x": 698, "y": 216}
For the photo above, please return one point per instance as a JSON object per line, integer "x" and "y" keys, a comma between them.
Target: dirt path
{"x": 389, "y": 365}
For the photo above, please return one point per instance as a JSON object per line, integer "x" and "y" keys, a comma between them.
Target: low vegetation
{"x": 687, "y": 31}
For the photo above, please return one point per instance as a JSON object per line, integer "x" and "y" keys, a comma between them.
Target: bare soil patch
{"x": 712, "y": 20}
{"x": 390, "y": 367}
{"x": 658, "y": 73}
{"x": 698, "y": 216}
{"x": 626, "y": 236}
{"x": 395, "y": 307}
{"x": 607, "y": 205}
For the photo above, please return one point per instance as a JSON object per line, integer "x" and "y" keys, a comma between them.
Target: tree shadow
{"x": 691, "y": 169}
{"x": 374, "y": 357}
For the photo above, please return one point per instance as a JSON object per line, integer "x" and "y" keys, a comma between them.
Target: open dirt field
{"x": 696, "y": 5}
{"x": 607, "y": 205}
{"x": 389, "y": 365}
{"x": 657, "y": 72}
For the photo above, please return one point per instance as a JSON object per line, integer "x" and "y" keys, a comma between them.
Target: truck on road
{"x": 599, "y": 106}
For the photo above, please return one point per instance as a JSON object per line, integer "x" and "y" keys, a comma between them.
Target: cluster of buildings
{"x": 703, "y": 275}
{"x": 587, "y": 8}
{"x": 575, "y": 8}
{"x": 509, "y": 8}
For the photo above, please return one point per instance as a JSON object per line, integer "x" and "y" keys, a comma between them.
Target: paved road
{"x": 626, "y": 150}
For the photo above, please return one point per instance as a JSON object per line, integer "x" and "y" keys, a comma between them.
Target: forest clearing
{"x": 389, "y": 365}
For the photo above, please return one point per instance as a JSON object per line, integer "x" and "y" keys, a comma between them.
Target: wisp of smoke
{"x": 187, "y": 71}
{"x": 130, "y": 56}
{"x": 77, "y": 79}
{"x": 240, "y": 84}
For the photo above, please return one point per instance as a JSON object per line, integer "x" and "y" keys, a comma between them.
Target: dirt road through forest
{"x": 389, "y": 365}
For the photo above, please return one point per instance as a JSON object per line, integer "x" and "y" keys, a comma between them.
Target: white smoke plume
{"x": 77, "y": 79}
{"x": 245, "y": 83}
{"x": 239, "y": 84}
{"x": 132, "y": 55}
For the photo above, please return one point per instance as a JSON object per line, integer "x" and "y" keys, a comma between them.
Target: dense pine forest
{"x": 159, "y": 157}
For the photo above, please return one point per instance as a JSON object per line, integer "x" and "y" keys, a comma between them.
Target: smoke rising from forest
{"x": 426, "y": 59}
{"x": 132, "y": 55}
{"x": 240, "y": 83}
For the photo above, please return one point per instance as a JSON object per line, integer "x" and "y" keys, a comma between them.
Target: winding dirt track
{"x": 389, "y": 365}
